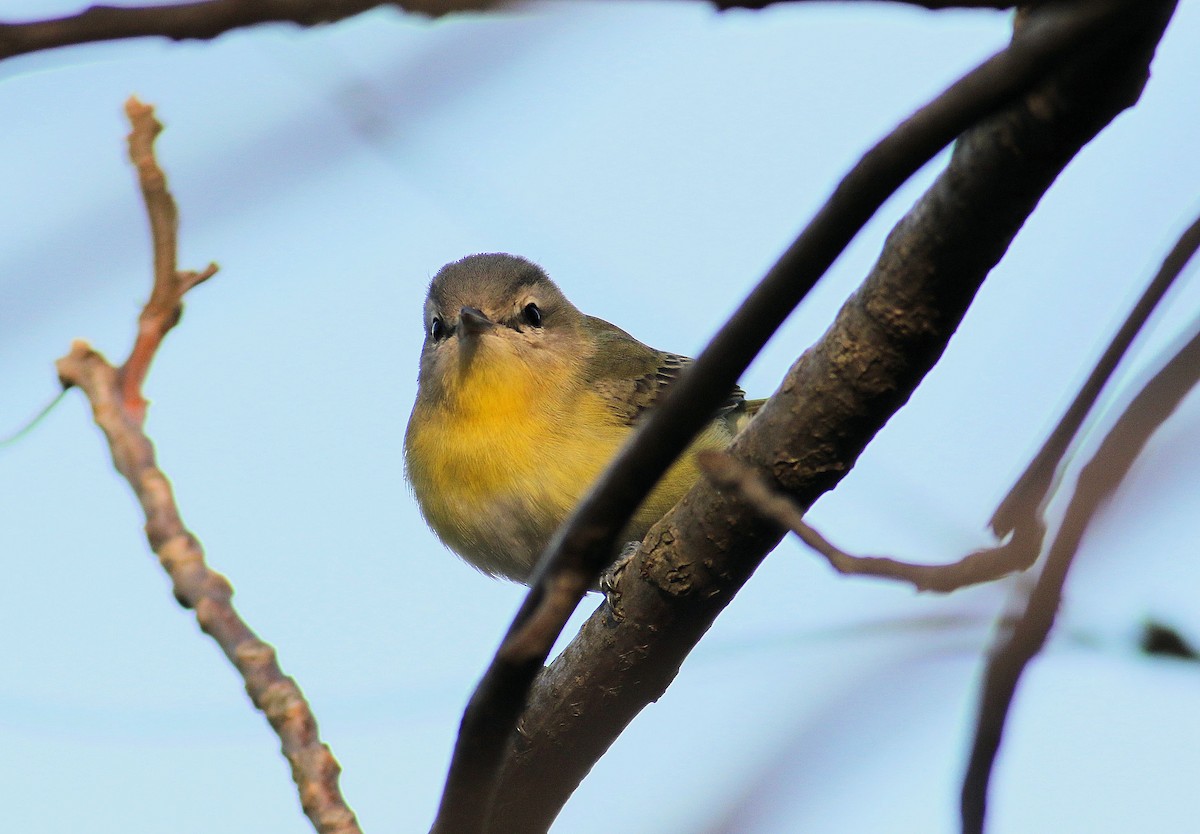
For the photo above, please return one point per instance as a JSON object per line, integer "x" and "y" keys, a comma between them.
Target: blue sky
{"x": 655, "y": 158}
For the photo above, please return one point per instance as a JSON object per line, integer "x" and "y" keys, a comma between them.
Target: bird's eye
{"x": 532, "y": 315}
{"x": 437, "y": 329}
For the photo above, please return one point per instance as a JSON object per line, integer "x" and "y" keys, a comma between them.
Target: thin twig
{"x": 201, "y": 20}
{"x": 119, "y": 410}
{"x": 165, "y": 306}
{"x": 1023, "y": 504}
{"x": 984, "y": 565}
{"x": 1098, "y": 479}
{"x": 33, "y": 422}
{"x": 585, "y": 543}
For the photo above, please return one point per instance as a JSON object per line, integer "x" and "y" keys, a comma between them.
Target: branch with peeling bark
{"x": 119, "y": 409}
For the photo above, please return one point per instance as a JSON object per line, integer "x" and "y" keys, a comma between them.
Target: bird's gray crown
{"x": 490, "y": 282}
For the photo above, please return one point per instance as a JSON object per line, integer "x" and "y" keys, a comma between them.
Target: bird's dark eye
{"x": 532, "y": 315}
{"x": 437, "y": 329}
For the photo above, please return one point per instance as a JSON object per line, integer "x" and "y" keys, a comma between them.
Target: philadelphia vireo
{"x": 522, "y": 400}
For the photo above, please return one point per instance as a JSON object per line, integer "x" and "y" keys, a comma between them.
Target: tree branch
{"x": 163, "y": 310}
{"x": 199, "y": 20}
{"x": 731, "y": 475}
{"x": 898, "y": 343}
{"x": 1019, "y": 513}
{"x": 206, "y": 19}
{"x": 1023, "y": 504}
{"x": 1098, "y": 480}
{"x": 119, "y": 410}
{"x": 837, "y": 395}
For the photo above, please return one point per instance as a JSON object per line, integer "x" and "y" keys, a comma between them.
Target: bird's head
{"x": 496, "y": 324}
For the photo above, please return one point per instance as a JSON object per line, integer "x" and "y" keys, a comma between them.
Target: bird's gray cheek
{"x": 429, "y": 367}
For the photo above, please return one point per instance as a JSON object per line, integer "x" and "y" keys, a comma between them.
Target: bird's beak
{"x": 473, "y": 321}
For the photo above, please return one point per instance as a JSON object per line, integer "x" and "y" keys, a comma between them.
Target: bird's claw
{"x": 611, "y": 578}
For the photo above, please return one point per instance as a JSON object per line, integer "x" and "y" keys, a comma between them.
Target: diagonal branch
{"x": 1023, "y": 504}
{"x": 1098, "y": 479}
{"x": 1020, "y": 512}
{"x": 119, "y": 410}
{"x": 583, "y": 546}
{"x": 836, "y": 397}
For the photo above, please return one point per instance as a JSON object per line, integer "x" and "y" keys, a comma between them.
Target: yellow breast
{"x": 500, "y": 461}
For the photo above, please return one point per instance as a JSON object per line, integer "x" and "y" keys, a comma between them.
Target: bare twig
{"x": 984, "y": 565}
{"x": 1023, "y": 504}
{"x": 119, "y": 410}
{"x": 1098, "y": 479}
{"x": 33, "y": 422}
{"x": 202, "y": 20}
{"x": 585, "y": 543}
{"x": 165, "y": 306}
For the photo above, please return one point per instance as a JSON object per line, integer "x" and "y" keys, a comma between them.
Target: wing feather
{"x": 632, "y": 377}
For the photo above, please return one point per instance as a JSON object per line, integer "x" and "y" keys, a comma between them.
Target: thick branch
{"x": 584, "y": 544}
{"x": 1020, "y": 513}
{"x": 886, "y": 338}
{"x": 200, "y": 20}
{"x": 119, "y": 410}
{"x": 1098, "y": 480}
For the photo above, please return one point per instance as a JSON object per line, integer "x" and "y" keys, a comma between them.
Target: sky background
{"x": 655, "y": 158}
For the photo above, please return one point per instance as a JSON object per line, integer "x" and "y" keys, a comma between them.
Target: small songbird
{"x": 522, "y": 400}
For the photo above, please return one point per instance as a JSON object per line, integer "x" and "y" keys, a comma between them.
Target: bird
{"x": 522, "y": 400}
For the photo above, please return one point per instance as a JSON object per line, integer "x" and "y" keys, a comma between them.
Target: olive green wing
{"x": 632, "y": 377}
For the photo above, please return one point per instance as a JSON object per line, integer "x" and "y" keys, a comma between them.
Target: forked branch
{"x": 839, "y": 394}
{"x": 1017, "y": 644}
{"x": 1019, "y": 513}
{"x": 119, "y": 409}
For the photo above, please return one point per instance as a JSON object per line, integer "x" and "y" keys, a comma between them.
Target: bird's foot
{"x": 612, "y": 577}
